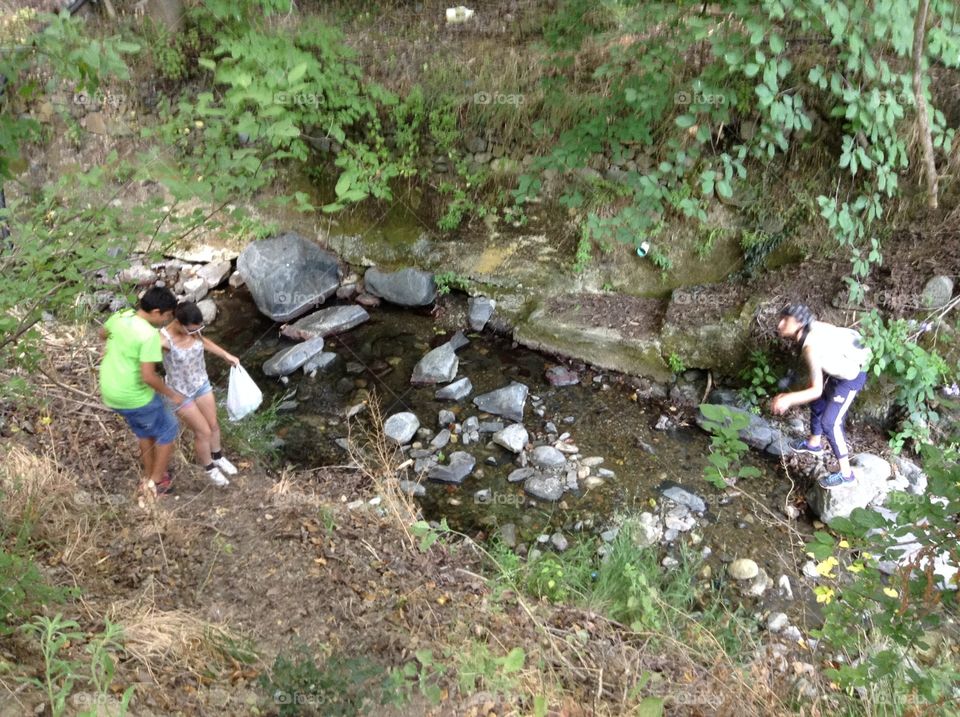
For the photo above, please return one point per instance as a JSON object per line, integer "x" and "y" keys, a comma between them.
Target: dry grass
{"x": 381, "y": 462}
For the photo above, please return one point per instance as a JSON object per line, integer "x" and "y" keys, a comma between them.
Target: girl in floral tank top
{"x": 186, "y": 373}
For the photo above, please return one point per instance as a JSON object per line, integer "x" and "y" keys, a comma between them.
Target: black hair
{"x": 800, "y": 312}
{"x": 188, "y": 313}
{"x": 158, "y": 298}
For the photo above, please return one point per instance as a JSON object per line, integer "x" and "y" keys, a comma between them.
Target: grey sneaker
{"x": 800, "y": 445}
{"x": 835, "y": 480}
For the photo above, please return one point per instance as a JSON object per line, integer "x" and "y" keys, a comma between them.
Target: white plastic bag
{"x": 243, "y": 395}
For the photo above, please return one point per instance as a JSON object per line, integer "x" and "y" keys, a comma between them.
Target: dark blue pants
{"x": 828, "y": 411}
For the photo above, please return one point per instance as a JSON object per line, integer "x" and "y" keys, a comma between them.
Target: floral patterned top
{"x": 186, "y": 368}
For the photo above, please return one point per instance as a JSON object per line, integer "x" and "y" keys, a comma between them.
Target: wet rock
{"x": 507, "y": 401}
{"x": 562, "y": 376}
{"x": 346, "y": 292}
{"x": 871, "y": 486}
{"x": 208, "y": 309}
{"x": 460, "y": 466}
{"x": 664, "y": 423}
{"x": 550, "y": 427}
{"x": 479, "y": 311}
{"x": 400, "y": 427}
{"x": 326, "y": 322}
{"x": 446, "y": 418}
{"x": 679, "y": 519}
{"x": 412, "y": 488}
{"x": 407, "y": 287}
{"x": 508, "y": 535}
{"x": 937, "y": 292}
{"x": 440, "y": 440}
{"x": 547, "y": 457}
{"x": 565, "y": 447}
{"x": 544, "y": 487}
{"x": 513, "y": 438}
{"x": 321, "y": 361}
{"x": 236, "y": 280}
{"x": 591, "y": 461}
{"x": 606, "y": 473}
{"x": 521, "y": 474}
{"x": 461, "y": 388}
{"x": 288, "y": 360}
{"x": 681, "y": 496}
{"x": 559, "y": 542}
{"x": 368, "y": 300}
{"x": 288, "y": 275}
{"x": 438, "y": 366}
{"x": 490, "y": 426}
{"x": 743, "y": 569}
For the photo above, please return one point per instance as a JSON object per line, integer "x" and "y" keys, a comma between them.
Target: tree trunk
{"x": 919, "y": 30}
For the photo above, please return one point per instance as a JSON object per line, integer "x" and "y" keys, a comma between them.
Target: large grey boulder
{"x": 438, "y": 366}
{"x": 460, "y": 466}
{"x": 479, "y": 311}
{"x": 407, "y": 287}
{"x": 871, "y": 487}
{"x": 507, "y": 401}
{"x": 288, "y": 360}
{"x": 544, "y": 486}
{"x": 513, "y": 438}
{"x": 326, "y": 322}
{"x": 319, "y": 362}
{"x": 461, "y": 388}
{"x": 288, "y": 275}
{"x": 401, "y": 427}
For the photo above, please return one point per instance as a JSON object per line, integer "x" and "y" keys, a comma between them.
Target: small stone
{"x": 777, "y": 621}
{"x": 793, "y": 633}
{"x": 669, "y": 562}
{"x": 508, "y": 534}
{"x": 521, "y": 474}
{"x": 810, "y": 570}
{"x": 513, "y": 438}
{"x": 547, "y": 457}
{"x": 786, "y": 591}
{"x": 743, "y": 569}
{"x": 550, "y": 427}
{"x": 401, "y": 427}
{"x": 445, "y": 418}
{"x": 559, "y": 542}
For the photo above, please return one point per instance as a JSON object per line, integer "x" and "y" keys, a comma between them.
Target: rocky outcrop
{"x": 407, "y": 287}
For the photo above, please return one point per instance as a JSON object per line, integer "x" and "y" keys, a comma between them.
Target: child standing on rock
{"x": 183, "y": 361}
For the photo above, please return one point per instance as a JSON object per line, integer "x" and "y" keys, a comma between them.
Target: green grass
{"x": 254, "y": 437}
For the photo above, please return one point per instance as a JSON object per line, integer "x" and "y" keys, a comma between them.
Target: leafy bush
{"x": 760, "y": 379}
{"x": 726, "y": 449}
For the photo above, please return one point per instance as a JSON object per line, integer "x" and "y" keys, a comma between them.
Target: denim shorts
{"x": 152, "y": 421}
{"x": 187, "y": 400}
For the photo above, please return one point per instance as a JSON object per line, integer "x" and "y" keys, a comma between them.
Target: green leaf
{"x": 207, "y": 63}
{"x": 514, "y": 660}
{"x": 685, "y": 121}
{"x": 776, "y": 44}
{"x": 296, "y": 73}
{"x": 650, "y": 707}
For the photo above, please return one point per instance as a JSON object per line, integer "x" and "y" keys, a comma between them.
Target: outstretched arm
{"x": 217, "y": 350}
{"x": 785, "y": 401}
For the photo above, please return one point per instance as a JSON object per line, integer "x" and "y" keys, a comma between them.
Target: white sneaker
{"x": 226, "y": 466}
{"x": 217, "y": 478}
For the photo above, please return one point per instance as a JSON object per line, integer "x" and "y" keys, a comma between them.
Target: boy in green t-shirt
{"x": 129, "y": 383}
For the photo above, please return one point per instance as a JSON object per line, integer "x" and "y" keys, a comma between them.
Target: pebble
{"x": 550, "y": 427}
{"x": 810, "y": 570}
{"x": 543, "y": 539}
{"x": 606, "y": 473}
{"x": 777, "y": 621}
{"x": 786, "y": 591}
{"x": 559, "y": 541}
{"x": 569, "y": 419}
{"x": 533, "y": 554}
{"x": 793, "y": 633}
{"x": 608, "y": 536}
{"x": 591, "y": 461}
{"x": 743, "y": 569}
{"x": 669, "y": 562}
{"x": 791, "y": 511}
{"x": 593, "y": 481}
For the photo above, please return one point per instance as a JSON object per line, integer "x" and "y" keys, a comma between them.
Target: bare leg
{"x": 161, "y": 459}
{"x": 208, "y": 407}
{"x": 146, "y": 455}
{"x": 195, "y": 421}
{"x": 814, "y": 440}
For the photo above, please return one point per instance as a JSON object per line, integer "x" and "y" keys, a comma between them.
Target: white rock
{"x": 743, "y": 569}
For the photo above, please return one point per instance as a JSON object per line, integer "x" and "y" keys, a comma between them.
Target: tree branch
{"x": 919, "y": 31}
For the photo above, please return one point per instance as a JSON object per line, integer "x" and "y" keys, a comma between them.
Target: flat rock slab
{"x": 460, "y": 466}
{"x": 437, "y": 366}
{"x": 461, "y": 388}
{"x": 326, "y": 322}
{"x": 507, "y": 401}
{"x": 873, "y": 483}
{"x": 407, "y": 287}
{"x": 521, "y": 474}
{"x": 544, "y": 487}
{"x": 288, "y": 275}
{"x": 288, "y": 360}
{"x": 681, "y": 496}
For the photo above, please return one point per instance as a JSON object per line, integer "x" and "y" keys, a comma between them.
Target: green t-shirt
{"x": 131, "y": 340}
